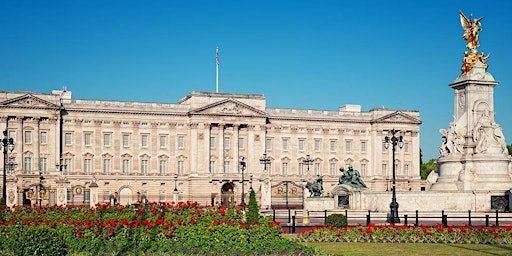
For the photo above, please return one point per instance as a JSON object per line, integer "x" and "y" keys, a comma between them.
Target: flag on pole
{"x": 217, "y": 56}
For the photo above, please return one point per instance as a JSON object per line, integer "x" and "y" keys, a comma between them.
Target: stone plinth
{"x": 318, "y": 203}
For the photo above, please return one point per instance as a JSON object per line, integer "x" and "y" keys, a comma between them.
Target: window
{"x": 285, "y": 169}
{"x": 106, "y": 165}
{"x": 301, "y": 168}
{"x": 318, "y": 143}
{"x": 144, "y": 166}
{"x": 163, "y": 141}
{"x": 12, "y": 134}
{"x": 67, "y": 138}
{"x": 27, "y": 163}
{"x": 363, "y": 146}
{"x": 144, "y": 140}
{"x": 126, "y": 140}
{"x": 241, "y": 143}
{"x": 87, "y": 139}
{"x": 106, "y": 195}
{"x": 181, "y": 141}
{"x": 302, "y": 144}
{"x": 285, "y": 144}
{"x": 162, "y": 195}
{"x": 212, "y": 166}
{"x": 268, "y": 144}
{"x": 227, "y": 142}
{"x": 332, "y": 145}
{"x": 43, "y": 164}
{"x": 406, "y": 170}
{"x": 348, "y": 145}
{"x": 226, "y": 166}
{"x": 106, "y": 139}
{"x": 163, "y": 166}
{"x": 212, "y": 142}
{"x": 67, "y": 165}
{"x": 126, "y": 166}
{"x": 87, "y": 165}
{"x": 363, "y": 170}
{"x": 332, "y": 168}
{"x": 181, "y": 167}
{"x": 384, "y": 170}
{"x": 317, "y": 168}
{"x": 44, "y": 138}
{"x": 406, "y": 147}
{"x": 28, "y": 137}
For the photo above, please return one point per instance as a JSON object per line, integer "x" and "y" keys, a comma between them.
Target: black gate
{"x": 287, "y": 195}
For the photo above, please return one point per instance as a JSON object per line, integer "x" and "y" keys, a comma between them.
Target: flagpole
{"x": 217, "y": 70}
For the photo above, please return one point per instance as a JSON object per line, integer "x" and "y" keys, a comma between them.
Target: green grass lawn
{"x": 399, "y": 249}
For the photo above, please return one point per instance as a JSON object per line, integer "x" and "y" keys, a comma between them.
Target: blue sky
{"x": 300, "y": 54}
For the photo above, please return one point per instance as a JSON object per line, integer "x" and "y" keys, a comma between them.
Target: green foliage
{"x": 337, "y": 220}
{"x": 509, "y": 147}
{"x": 426, "y": 168}
{"x": 253, "y": 212}
{"x": 38, "y": 240}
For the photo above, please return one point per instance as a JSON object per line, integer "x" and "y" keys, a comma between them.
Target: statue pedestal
{"x": 318, "y": 203}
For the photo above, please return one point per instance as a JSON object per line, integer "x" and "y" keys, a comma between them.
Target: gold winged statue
{"x": 471, "y": 29}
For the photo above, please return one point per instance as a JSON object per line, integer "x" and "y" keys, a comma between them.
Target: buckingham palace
{"x": 208, "y": 147}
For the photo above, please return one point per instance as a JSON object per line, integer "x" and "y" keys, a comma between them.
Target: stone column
{"x": 94, "y": 197}
{"x": 62, "y": 184}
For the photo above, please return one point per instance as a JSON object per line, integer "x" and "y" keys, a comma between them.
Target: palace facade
{"x": 198, "y": 149}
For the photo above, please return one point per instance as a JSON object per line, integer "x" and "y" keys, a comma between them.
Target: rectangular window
{"x": 106, "y": 139}
{"x": 106, "y": 165}
{"x": 144, "y": 140}
{"x": 44, "y": 138}
{"x": 43, "y": 164}
{"x": 241, "y": 143}
{"x": 268, "y": 144}
{"x": 126, "y": 166}
{"x": 406, "y": 147}
{"x": 163, "y": 141}
{"x": 285, "y": 169}
{"x": 226, "y": 166}
{"x": 363, "y": 146}
{"x": 28, "y": 137}
{"x": 87, "y": 165}
{"x": 106, "y": 195}
{"x": 285, "y": 144}
{"x": 318, "y": 143}
{"x": 348, "y": 145}
{"x": 181, "y": 167}
{"x": 363, "y": 170}
{"x": 27, "y": 163}
{"x": 163, "y": 166}
{"x": 301, "y": 168}
{"x": 144, "y": 166}
{"x": 332, "y": 146}
{"x": 227, "y": 142}
{"x": 126, "y": 140}
{"x": 317, "y": 168}
{"x": 181, "y": 141}
{"x": 406, "y": 170}
{"x": 12, "y": 134}
{"x": 302, "y": 145}
{"x": 162, "y": 195}
{"x": 212, "y": 166}
{"x": 384, "y": 170}
{"x": 212, "y": 142}
{"x": 67, "y": 165}
{"x": 67, "y": 138}
{"x": 87, "y": 139}
{"x": 332, "y": 168}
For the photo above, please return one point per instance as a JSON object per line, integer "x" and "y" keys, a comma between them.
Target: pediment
{"x": 228, "y": 107}
{"x": 398, "y": 117}
{"x": 29, "y": 101}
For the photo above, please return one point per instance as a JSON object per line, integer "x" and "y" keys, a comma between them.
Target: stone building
{"x": 198, "y": 149}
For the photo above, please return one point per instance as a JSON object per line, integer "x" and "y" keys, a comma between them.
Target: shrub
{"x": 39, "y": 240}
{"x": 253, "y": 213}
{"x": 337, "y": 220}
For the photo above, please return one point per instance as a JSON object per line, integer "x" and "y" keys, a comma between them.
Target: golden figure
{"x": 471, "y": 30}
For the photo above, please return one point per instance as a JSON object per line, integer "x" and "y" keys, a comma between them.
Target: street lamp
{"x": 307, "y": 161}
{"x": 265, "y": 161}
{"x": 250, "y": 182}
{"x": 242, "y": 167}
{"x": 8, "y": 144}
{"x": 393, "y": 217}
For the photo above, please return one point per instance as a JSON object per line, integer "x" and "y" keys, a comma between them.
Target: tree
{"x": 253, "y": 212}
{"x": 509, "y": 147}
{"x": 426, "y": 168}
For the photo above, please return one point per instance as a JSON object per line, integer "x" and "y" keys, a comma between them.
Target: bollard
{"x": 497, "y": 219}
{"x": 469, "y": 217}
{"x": 487, "y": 220}
{"x": 293, "y": 224}
{"x": 305, "y": 216}
{"x": 325, "y": 217}
{"x": 289, "y": 215}
{"x": 417, "y": 219}
{"x": 368, "y": 218}
{"x": 405, "y": 219}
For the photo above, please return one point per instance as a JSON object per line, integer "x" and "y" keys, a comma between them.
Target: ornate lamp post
{"x": 393, "y": 217}
{"x": 242, "y": 167}
{"x": 265, "y": 160}
{"x": 250, "y": 182}
{"x": 8, "y": 144}
{"x": 307, "y": 161}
